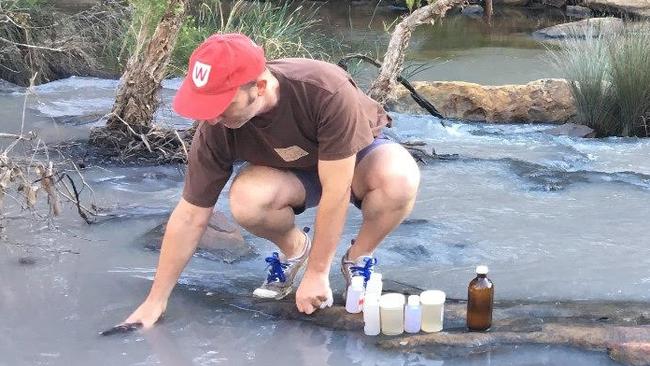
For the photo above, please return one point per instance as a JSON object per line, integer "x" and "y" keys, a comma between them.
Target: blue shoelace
{"x": 366, "y": 270}
{"x": 276, "y": 268}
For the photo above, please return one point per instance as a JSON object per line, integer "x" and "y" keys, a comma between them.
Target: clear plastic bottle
{"x": 391, "y": 308}
{"x": 480, "y": 301}
{"x": 413, "y": 315}
{"x": 371, "y": 324}
{"x": 354, "y": 298}
{"x": 433, "y": 310}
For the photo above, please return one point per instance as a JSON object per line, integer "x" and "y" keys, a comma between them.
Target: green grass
{"x": 630, "y": 76}
{"x": 284, "y": 30}
{"x": 610, "y": 79}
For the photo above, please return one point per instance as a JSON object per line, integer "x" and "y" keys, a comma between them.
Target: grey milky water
{"x": 553, "y": 217}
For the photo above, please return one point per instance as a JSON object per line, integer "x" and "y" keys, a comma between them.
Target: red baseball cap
{"x": 217, "y": 68}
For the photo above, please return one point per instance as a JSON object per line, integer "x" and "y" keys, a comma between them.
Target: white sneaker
{"x": 282, "y": 272}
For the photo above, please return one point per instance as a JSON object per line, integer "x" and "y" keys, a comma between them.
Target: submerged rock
{"x": 222, "y": 240}
{"x": 511, "y": 2}
{"x": 545, "y": 100}
{"x": 472, "y": 10}
{"x": 593, "y": 27}
{"x": 573, "y": 130}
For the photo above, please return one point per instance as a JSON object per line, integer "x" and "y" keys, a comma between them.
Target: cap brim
{"x": 190, "y": 104}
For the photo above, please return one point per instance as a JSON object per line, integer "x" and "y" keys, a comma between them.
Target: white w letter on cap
{"x": 201, "y": 74}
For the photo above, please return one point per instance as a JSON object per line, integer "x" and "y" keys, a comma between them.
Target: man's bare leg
{"x": 386, "y": 180}
{"x": 261, "y": 200}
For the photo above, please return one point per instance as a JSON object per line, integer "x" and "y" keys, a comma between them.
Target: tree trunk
{"x": 138, "y": 96}
{"x": 392, "y": 65}
{"x": 489, "y": 10}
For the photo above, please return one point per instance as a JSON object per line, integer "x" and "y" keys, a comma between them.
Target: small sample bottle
{"x": 371, "y": 325}
{"x": 391, "y": 309}
{"x": 413, "y": 315}
{"x": 374, "y": 285}
{"x": 354, "y": 298}
{"x": 480, "y": 301}
{"x": 433, "y": 310}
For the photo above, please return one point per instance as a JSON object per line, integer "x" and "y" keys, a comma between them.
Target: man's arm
{"x": 184, "y": 230}
{"x": 336, "y": 179}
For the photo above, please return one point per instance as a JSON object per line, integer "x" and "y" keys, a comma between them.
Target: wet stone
{"x": 222, "y": 240}
{"x": 26, "y": 261}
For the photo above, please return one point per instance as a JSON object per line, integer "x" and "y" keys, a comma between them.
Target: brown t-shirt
{"x": 320, "y": 114}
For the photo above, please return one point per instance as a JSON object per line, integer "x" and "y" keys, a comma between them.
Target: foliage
{"x": 284, "y": 30}
{"x": 610, "y": 79}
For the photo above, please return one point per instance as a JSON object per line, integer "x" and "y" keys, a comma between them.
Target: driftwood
{"x": 392, "y": 64}
{"x": 622, "y": 329}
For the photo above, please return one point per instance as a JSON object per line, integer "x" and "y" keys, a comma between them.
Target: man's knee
{"x": 249, "y": 198}
{"x": 399, "y": 180}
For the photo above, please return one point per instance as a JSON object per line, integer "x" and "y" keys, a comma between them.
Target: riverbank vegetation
{"x": 38, "y": 39}
{"x": 610, "y": 79}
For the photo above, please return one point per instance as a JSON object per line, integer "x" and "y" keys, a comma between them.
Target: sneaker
{"x": 362, "y": 266}
{"x": 281, "y": 273}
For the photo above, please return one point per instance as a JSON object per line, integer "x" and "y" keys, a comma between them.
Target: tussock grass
{"x": 610, "y": 79}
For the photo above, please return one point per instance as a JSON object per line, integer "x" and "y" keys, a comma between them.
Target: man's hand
{"x": 147, "y": 314}
{"x": 314, "y": 291}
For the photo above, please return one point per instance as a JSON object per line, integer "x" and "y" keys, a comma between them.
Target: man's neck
{"x": 273, "y": 96}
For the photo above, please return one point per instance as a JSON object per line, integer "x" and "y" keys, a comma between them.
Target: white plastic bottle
{"x": 354, "y": 298}
{"x": 413, "y": 315}
{"x": 374, "y": 285}
{"x": 371, "y": 322}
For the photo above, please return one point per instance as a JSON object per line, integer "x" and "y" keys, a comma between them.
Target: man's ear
{"x": 261, "y": 86}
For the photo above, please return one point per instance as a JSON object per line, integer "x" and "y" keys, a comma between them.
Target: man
{"x": 309, "y": 137}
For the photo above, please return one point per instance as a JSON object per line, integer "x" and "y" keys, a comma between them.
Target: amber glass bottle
{"x": 480, "y": 301}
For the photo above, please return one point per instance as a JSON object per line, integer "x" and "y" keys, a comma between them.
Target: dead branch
{"x": 393, "y": 60}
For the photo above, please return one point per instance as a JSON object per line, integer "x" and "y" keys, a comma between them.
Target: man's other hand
{"x": 147, "y": 314}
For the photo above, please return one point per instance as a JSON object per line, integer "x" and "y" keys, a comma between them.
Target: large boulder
{"x": 634, "y": 8}
{"x": 582, "y": 28}
{"x": 544, "y": 100}
{"x": 222, "y": 240}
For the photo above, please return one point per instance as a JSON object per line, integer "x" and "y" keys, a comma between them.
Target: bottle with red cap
{"x": 480, "y": 301}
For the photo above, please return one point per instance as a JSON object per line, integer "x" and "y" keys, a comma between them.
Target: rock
{"x": 544, "y": 100}
{"x": 633, "y": 8}
{"x": 222, "y": 240}
{"x": 26, "y": 261}
{"x": 587, "y": 325}
{"x": 632, "y": 353}
{"x": 573, "y": 130}
{"x": 580, "y": 12}
{"x": 554, "y": 3}
{"x": 580, "y": 29}
{"x": 472, "y": 10}
{"x": 511, "y": 2}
